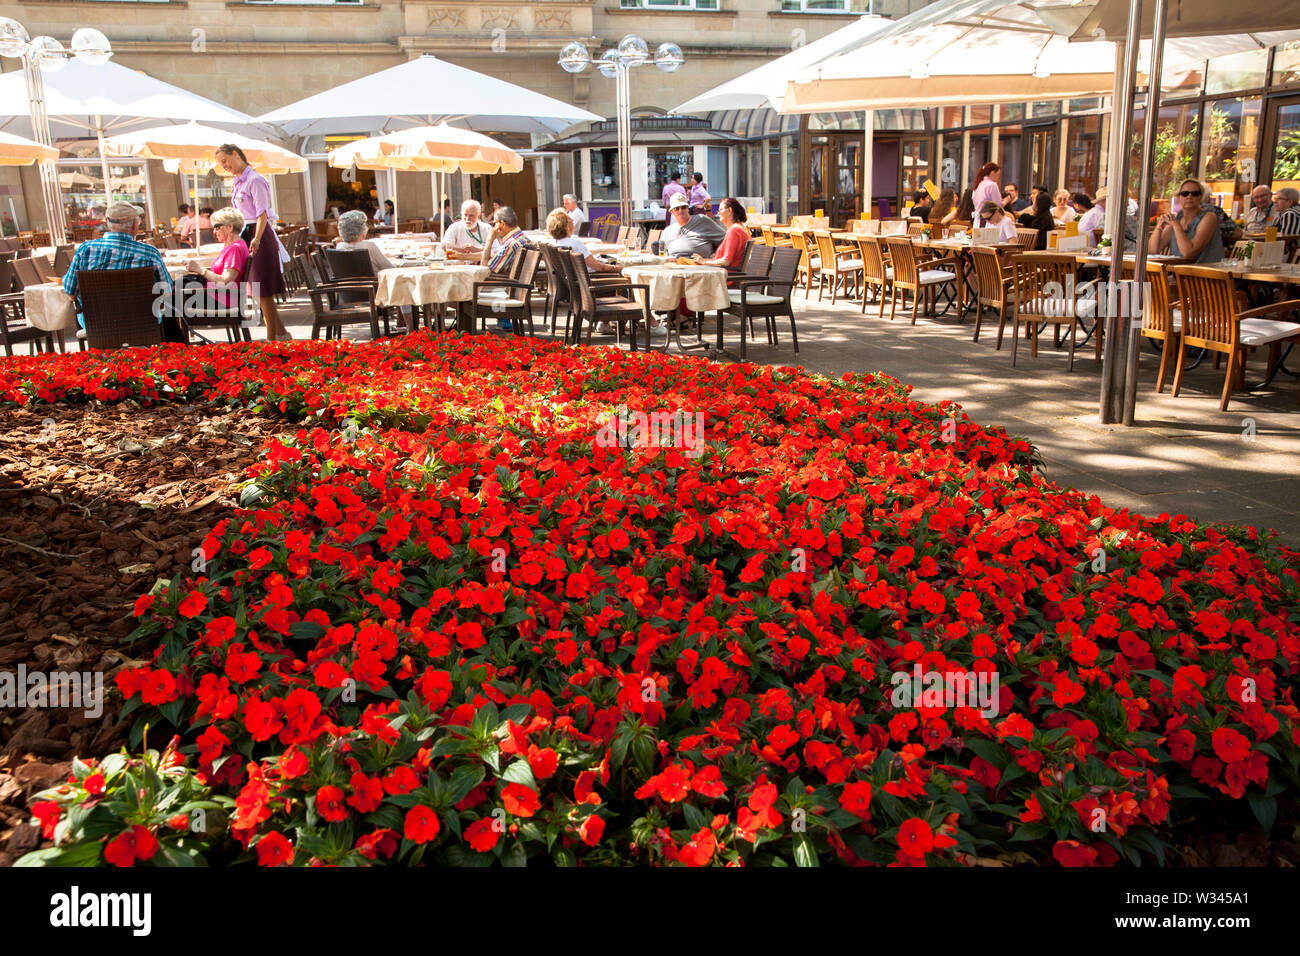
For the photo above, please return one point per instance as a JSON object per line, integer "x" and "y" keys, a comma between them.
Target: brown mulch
{"x": 114, "y": 498}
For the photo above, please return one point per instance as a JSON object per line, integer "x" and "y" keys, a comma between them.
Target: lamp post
{"x": 40, "y": 54}
{"x": 615, "y": 64}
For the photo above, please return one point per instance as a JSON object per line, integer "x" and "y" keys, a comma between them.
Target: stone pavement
{"x": 1182, "y": 456}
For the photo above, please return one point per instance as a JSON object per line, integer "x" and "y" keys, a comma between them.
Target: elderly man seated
{"x": 118, "y": 249}
{"x": 465, "y": 238}
{"x": 689, "y": 235}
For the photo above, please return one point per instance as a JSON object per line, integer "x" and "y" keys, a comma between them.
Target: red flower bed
{"x": 454, "y": 627}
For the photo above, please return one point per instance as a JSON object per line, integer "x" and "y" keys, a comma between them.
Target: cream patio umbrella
{"x": 438, "y": 149}
{"x": 20, "y": 151}
{"x": 191, "y": 148}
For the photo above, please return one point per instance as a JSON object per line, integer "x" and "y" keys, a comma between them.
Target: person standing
{"x": 701, "y": 201}
{"x": 986, "y": 187}
{"x": 574, "y": 211}
{"x": 673, "y": 188}
{"x": 251, "y": 196}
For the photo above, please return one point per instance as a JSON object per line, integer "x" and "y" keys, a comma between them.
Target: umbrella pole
{"x": 197, "y": 231}
{"x": 103, "y": 164}
{"x": 392, "y": 190}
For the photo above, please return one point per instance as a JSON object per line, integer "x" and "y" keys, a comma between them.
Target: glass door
{"x": 819, "y": 174}
{"x": 1283, "y": 154}
{"x": 848, "y": 180}
{"x": 1040, "y": 158}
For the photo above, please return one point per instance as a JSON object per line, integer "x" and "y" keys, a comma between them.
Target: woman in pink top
{"x": 731, "y": 253}
{"x": 222, "y": 280}
{"x": 987, "y": 186}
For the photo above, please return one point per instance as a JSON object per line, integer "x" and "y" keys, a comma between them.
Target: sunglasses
{"x": 1189, "y": 192}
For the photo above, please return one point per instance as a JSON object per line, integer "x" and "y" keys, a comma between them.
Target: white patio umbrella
{"x": 764, "y": 87}
{"x": 438, "y": 149}
{"x": 111, "y": 97}
{"x": 422, "y": 92}
{"x": 192, "y": 148}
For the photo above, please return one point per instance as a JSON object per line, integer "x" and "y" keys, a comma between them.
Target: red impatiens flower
{"x": 542, "y": 761}
{"x": 519, "y": 800}
{"x": 1230, "y": 745}
{"x": 1073, "y": 853}
{"x": 591, "y": 830}
{"x": 482, "y": 834}
{"x": 47, "y": 814}
{"x": 192, "y": 605}
{"x": 273, "y": 849}
{"x": 94, "y": 784}
{"x": 329, "y": 803}
{"x": 915, "y": 838}
{"x": 856, "y": 799}
{"x": 135, "y": 843}
{"x": 421, "y": 824}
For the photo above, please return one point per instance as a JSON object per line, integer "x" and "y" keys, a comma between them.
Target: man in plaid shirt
{"x": 117, "y": 249}
{"x": 505, "y": 243}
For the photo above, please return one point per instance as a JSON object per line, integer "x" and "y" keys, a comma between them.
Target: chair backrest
{"x": 903, "y": 258}
{"x": 653, "y": 236}
{"x": 609, "y": 233}
{"x": 1045, "y": 284}
{"x": 826, "y": 250}
{"x": 1157, "y": 314}
{"x": 408, "y": 225}
{"x": 118, "y": 307}
{"x": 26, "y": 272}
{"x": 873, "y": 258}
{"x": 350, "y": 264}
{"x": 82, "y": 233}
{"x": 783, "y": 271}
{"x": 988, "y": 274}
{"x": 10, "y": 244}
{"x": 559, "y": 279}
{"x": 526, "y": 266}
{"x": 1240, "y": 249}
{"x": 1207, "y": 298}
{"x": 915, "y": 227}
{"x": 759, "y": 262}
{"x": 575, "y": 270}
{"x": 325, "y": 229}
{"x": 205, "y": 236}
{"x": 799, "y": 241}
{"x": 1027, "y": 238}
{"x": 623, "y": 232}
{"x": 584, "y": 229}
{"x": 45, "y": 268}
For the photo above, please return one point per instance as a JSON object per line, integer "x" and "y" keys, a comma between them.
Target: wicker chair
{"x": 616, "y": 305}
{"x": 63, "y": 259}
{"x": 201, "y": 311}
{"x": 1211, "y": 319}
{"x": 14, "y": 329}
{"x": 767, "y": 298}
{"x": 118, "y": 308}
{"x": 327, "y": 312}
{"x": 508, "y": 299}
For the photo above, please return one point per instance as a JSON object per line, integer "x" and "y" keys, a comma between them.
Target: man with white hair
{"x": 117, "y": 249}
{"x": 575, "y": 214}
{"x": 466, "y": 237}
{"x": 1261, "y": 213}
{"x": 1288, "y": 216}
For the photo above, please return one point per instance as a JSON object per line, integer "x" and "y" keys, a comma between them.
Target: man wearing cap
{"x": 690, "y": 235}
{"x": 117, "y": 249}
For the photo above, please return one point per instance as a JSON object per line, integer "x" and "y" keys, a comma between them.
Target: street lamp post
{"x": 39, "y": 54}
{"x": 615, "y": 64}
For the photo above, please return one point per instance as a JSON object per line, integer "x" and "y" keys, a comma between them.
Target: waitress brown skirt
{"x": 263, "y": 270}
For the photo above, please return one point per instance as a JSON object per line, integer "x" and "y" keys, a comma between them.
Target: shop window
{"x": 604, "y": 175}
{"x": 1238, "y": 71}
{"x": 1229, "y": 149}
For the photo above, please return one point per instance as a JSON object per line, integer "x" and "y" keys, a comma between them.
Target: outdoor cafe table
{"x": 703, "y": 287}
{"x": 432, "y": 286}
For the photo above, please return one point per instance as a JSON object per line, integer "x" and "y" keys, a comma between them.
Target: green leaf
{"x": 520, "y": 772}
{"x": 805, "y": 854}
{"x": 1265, "y": 808}
{"x": 515, "y": 855}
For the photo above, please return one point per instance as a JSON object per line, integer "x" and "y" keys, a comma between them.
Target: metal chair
{"x": 14, "y": 329}
{"x": 508, "y": 299}
{"x": 117, "y": 306}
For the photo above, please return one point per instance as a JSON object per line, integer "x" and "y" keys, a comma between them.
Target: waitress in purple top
{"x": 251, "y": 195}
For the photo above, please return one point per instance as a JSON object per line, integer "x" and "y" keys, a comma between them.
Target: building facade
{"x": 1234, "y": 122}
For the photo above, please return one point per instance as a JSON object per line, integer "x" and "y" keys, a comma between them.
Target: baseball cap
{"x": 121, "y": 212}
{"x": 678, "y": 200}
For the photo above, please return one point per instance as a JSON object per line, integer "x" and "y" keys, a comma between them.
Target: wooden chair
{"x": 876, "y": 271}
{"x": 994, "y": 281}
{"x": 766, "y": 297}
{"x": 1211, "y": 319}
{"x": 906, "y": 275}
{"x": 838, "y": 267}
{"x": 117, "y": 306}
{"x": 83, "y": 233}
{"x": 915, "y": 227}
{"x": 508, "y": 299}
{"x": 327, "y": 312}
{"x": 809, "y": 260}
{"x": 1161, "y": 321}
{"x": 1045, "y": 292}
{"x": 617, "y": 306}
{"x": 1026, "y": 238}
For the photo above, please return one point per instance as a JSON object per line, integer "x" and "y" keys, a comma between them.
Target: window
{"x": 816, "y": 6}
{"x": 1082, "y": 154}
{"x": 1011, "y": 111}
{"x": 1229, "y": 145}
{"x": 82, "y": 186}
{"x": 790, "y": 206}
{"x": 668, "y": 4}
{"x": 950, "y": 164}
{"x": 663, "y": 163}
{"x": 717, "y": 181}
{"x": 604, "y": 175}
{"x": 1286, "y": 64}
{"x": 949, "y": 117}
{"x": 1239, "y": 71}
{"x": 1175, "y": 147}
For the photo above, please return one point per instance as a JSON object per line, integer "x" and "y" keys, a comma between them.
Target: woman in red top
{"x": 732, "y": 251}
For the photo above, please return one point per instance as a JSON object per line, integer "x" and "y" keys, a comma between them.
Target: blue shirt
{"x": 115, "y": 250}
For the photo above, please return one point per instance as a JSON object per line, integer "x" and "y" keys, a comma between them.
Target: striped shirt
{"x": 504, "y": 258}
{"x": 115, "y": 250}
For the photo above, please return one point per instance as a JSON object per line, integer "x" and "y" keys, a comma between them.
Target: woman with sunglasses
{"x": 1193, "y": 233}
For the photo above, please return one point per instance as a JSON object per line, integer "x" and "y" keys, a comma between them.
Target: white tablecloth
{"x": 428, "y": 286}
{"x": 48, "y": 307}
{"x": 703, "y": 287}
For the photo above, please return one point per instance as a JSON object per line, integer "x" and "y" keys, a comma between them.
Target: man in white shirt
{"x": 575, "y": 214}
{"x": 1261, "y": 213}
{"x": 1093, "y": 223}
{"x": 466, "y": 236}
